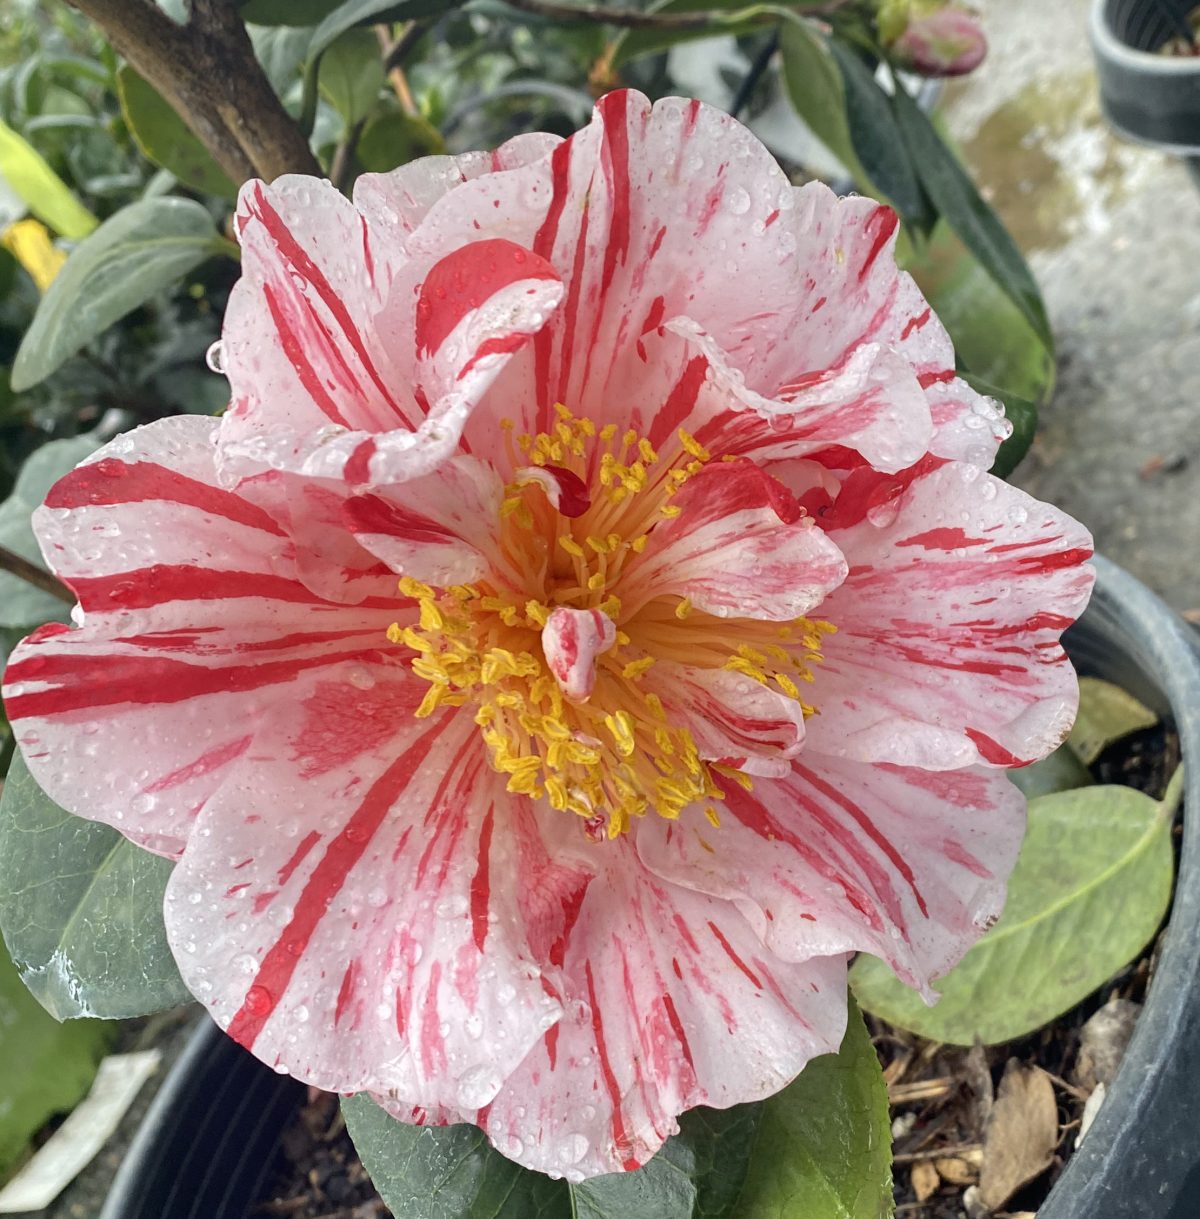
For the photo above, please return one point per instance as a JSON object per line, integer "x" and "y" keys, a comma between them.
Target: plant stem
{"x": 761, "y": 62}
{"x": 207, "y": 71}
{"x": 634, "y": 19}
{"x": 31, "y": 573}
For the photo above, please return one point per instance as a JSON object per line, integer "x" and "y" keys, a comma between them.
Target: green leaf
{"x": 81, "y": 909}
{"x": 46, "y": 195}
{"x": 1106, "y": 714}
{"x": 1058, "y": 772}
{"x": 286, "y": 12}
{"x": 136, "y": 253}
{"x": 958, "y": 202}
{"x": 814, "y": 85}
{"x": 166, "y": 139}
{"x": 741, "y": 19}
{"x": 281, "y": 50}
{"x": 824, "y": 1148}
{"x": 820, "y": 1149}
{"x": 22, "y": 605}
{"x": 1089, "y": 891}
{"x": 48, "y": 1067}
{"x": 395, "y": 139}
{"x": 447, "y": 1172}
{"x": 877, "y": 141}
{"x": 351, "y": 75}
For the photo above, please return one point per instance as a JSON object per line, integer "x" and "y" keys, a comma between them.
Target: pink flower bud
{"x": 946, "y": 43}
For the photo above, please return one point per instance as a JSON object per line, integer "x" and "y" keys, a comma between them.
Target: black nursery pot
{"x": 1151, "y": 98}
{"x": 208, "y": 1138}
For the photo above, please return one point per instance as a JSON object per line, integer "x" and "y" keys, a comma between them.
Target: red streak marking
{"x": 498, "y": 345}
{"x": 620, "y": 1138}
{"x": 993, "y": 752}
{"x": 466, "y": 279}
{"x": 677, "y": 1028}
{"x": 374, "y": 514}
{"x": 886, "y": 220}
{"x": 307, "y": 843}
{"x": 691, "y": 118}
{"x": 205, "y": 764}
{"x": 945, "y": 538}
{"x": 926, "y": 379}
{"x": 323, "y": 886}
{"x": 357, "y": 468}
{"x": 263, "y": 900}
{"x": 110, "y": 481}
{"x": 433, "y": 1046}
{"x": 349, "y": 981}
{"x": 614, "y": 114}
{"x": 234, "y": 890}
{"x": 294, "y": 349}
{"x": 480, "y": 886}
{"x": 820, "y": 304}
{"x": 552, "y": 1045}
{"x": 733, "y": 956}
{"x": 680, "y": 402}
{"x": 915, "y": 323}
{"x": 770, "y": 220}
{"x": 574, "y": 498}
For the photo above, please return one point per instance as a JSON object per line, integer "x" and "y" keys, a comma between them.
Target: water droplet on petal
{"x": 214, "y": 357}
{"x": 258, "y": 1001}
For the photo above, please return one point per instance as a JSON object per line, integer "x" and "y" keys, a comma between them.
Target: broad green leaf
{"x": 1106, "y": 714}
{"x": 286, "y": 12}
{"x": 1058, "y": 772}
{"x": 46, "y": 195}
{"x": 737, "y": 19}
{"x": 447, "y": 1172}
{"x": 877, "y": 141}
{"x": 21, "y": 604}
{"x": 824, "y": 1147}
{"x": 1020, "y": 412}
{"x": 281, "y": 50}
{"x": 395, "y": 139}
{"x": 81, "y": 909}
{"x": 136, "y": 253}
{"x": 48, "y": 1067}
{"x": 958, "y": 202}
{"x": 351, "y": 74}
{"x": 1089, "y": 891}
{"x": 814, "y": 84}
{"x": 166, "y": 139}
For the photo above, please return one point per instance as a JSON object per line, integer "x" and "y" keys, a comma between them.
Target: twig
{"x": 207, "y": 71}
{"x": 936, "y": 1153}
{"x": 925, "y": 1089}
{"x": 761, "y": 62}
{"x": 339, "y": 168}
{"x": 394, "y": 56}
{"x": 31, "y": 573}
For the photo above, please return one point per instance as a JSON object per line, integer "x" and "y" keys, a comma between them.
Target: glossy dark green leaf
{"x": 738, "y": 18}
{"x": 48, "y": 1067}
{"x": 81, "y": 909}
{"x": 165, "y": 138}
{"x": 281, "y": 50}
{"x": 824, "y": 1147}
{"x": 1021, "y": 413}
{"x": 286, "y": 12}
{"x": 21, "y": 603}
{"x": 447, "y": 1172}
{"x": 351, "y": 75}
{"x": 395, "y": 139}
{"x": 888, "y": 161}
{"x": 961, "y": 206}
{"x": 1089, "y": 891}
{"x": 136, "y": 253}
{"x": 814, "y": 84}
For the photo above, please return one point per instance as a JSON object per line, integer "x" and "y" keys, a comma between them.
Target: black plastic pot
{"x": 208, "y": 1137}
{"x": 1151, "y": 98}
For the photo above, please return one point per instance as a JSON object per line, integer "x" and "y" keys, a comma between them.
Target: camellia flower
{"x": 591, "y": 623}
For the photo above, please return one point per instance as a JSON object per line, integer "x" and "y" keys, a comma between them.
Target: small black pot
{"x": 1151, "y": 98}
{"x": 208, "y": 1137}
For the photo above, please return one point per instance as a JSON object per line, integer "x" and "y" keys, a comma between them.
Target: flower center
{"x": 556, "y": 651}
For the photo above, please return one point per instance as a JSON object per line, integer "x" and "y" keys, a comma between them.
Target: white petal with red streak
{"x": 194, "y": 627}
{"x": 733, "y": 719}
{"x": 843, "y": 856}
{"x": 946, "y": 652}
{"x": 349, "y": 906}
{"x": 739, "y": 547}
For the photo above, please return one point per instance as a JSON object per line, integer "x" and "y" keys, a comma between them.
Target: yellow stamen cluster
{"x": 618, "y": 754}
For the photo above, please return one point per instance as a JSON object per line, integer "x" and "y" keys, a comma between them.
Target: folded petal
{"x": 946, "y": 652}
{"x": 844, "y": 856}
{"x": 739, "y": 546}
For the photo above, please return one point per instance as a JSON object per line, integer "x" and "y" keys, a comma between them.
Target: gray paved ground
{"x": 1113, "y": 234}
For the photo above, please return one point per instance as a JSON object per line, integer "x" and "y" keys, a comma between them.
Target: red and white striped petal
{"x": 733, "y": 719}
{"x": 441, "y": 529}
{"x": 844, "y": 856}
{"x": 946, "y": 652}
{"x": 195, "y": 627}
{"x": 673, "y": 1003}
{"x": 740, "y": 546}
{"x": 396, "y": 202}
{"x": 359, "y": 919}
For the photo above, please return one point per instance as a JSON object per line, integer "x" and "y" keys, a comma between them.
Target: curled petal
{"x": 572, "y": 640}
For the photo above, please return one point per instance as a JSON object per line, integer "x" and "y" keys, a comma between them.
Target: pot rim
{"x": 1142, "y": 63}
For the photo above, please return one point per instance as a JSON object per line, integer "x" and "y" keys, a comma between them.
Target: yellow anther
{"x": 571, "y": 546}
{"x": 414, "y": 588}
{"x": 635, "y": 668}
{"x": 431, "y": 616}
{"x": 621, "y": 726}
{"x": 395, "y": 633}
{"x": 670, "y": 510}
{"x": 713, "y": 816}
{"x": 595, "y": 582}
{"x": 684, "y": 608}
{"x": 693, "y": 446}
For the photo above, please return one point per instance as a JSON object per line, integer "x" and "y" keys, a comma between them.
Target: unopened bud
{"x": 948, "y": 42}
